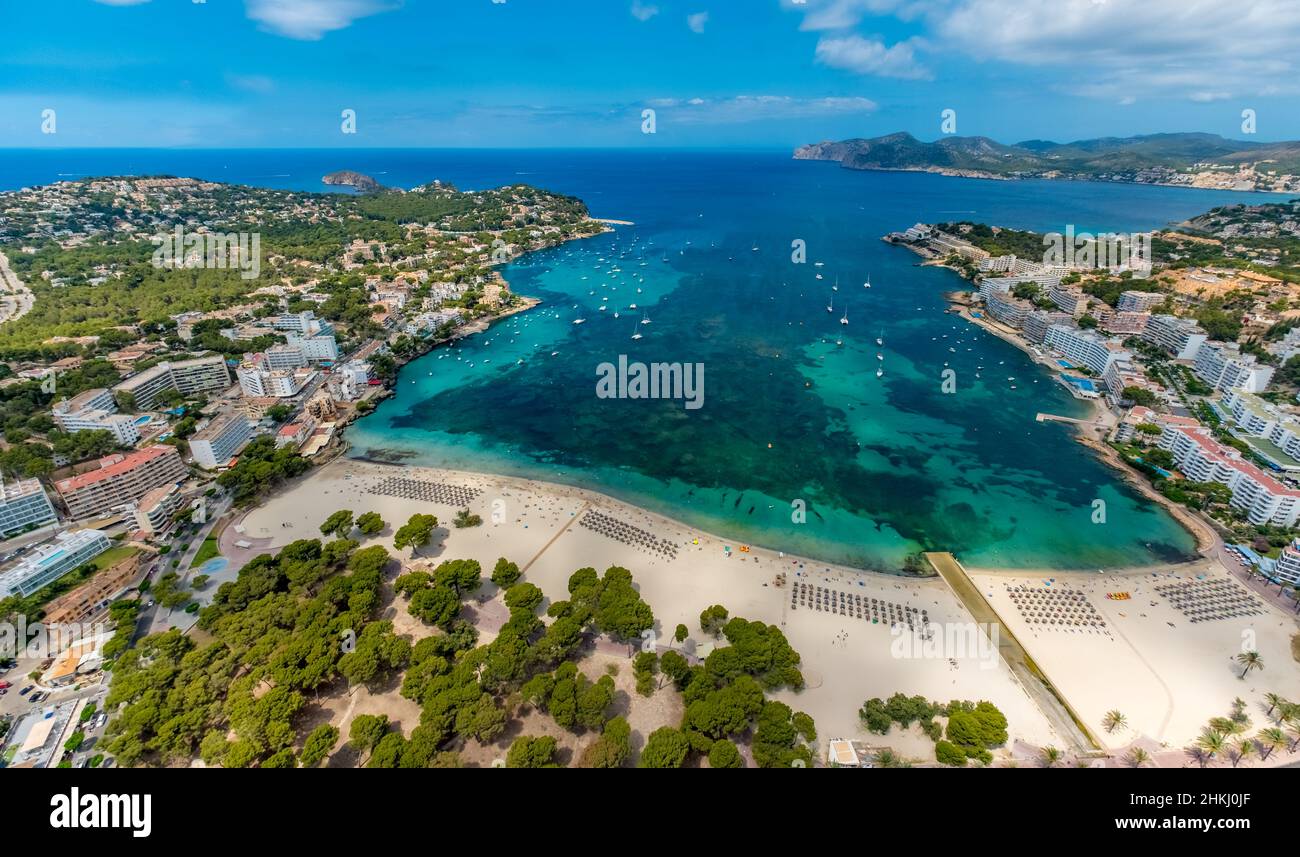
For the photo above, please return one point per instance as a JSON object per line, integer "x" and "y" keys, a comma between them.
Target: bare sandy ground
{"x": 845, "y": 660}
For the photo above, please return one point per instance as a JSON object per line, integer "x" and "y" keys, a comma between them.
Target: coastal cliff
{"x": 1186, "y": 160}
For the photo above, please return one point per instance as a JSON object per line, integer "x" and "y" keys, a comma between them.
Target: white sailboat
{"x": 830, "y": 307}
{"x": 845, "y": 319}
{"x": 645, "y": 318}
{"x": 636, "y": 333}
{"x": 880, "y": 370}
{"x": 880, "y": 340}
{"x": 867, "y": 284}
{"x": 578, "y": 313}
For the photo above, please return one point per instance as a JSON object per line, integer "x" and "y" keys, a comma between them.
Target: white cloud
{"x": 754, "y": 108}
{"x": 311, "y": 19}
{"x": 1191, "y": 48}
{"x": 846, "y": 14}
{"x": 1114, "y": 49}
{"x": 697, "y": 21}
{"x": 642, "y": 11}
{"x": 856, "y": 54}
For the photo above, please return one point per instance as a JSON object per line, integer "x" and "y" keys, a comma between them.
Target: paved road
{"x": 18, "y": 299}
{"x": 156, "y": 619}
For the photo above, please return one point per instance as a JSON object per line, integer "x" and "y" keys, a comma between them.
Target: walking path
{"x": 1035, "y": 683}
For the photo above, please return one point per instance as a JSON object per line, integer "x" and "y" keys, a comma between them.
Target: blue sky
{"x": 580, "y": 72}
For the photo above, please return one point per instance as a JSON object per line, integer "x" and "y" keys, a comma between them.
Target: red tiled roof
{"x": 114, "y": 465}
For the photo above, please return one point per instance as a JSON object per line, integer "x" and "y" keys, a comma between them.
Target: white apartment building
{"x": 284, "y": 357}
{"x": 1069, "y": 299}
{"x": 220, "y": 440}
{"x": 186, "y": 376}
{"x": 1180, "y": 337}
{"x": 314, "y": 347}
{"x": 1258, "y": 418}
{"x": 259, "y": 381}
{"x": 304, "y": 323}
{"x": 154, "y": 511}
{"x": 1008, "y": 310}
{"x": 95, "y": 410}
{"x": 1287, "y": 569}
{"x": 1083, "y": 348}
{"x": 48, "y": 562}
{"x": 1122, "y": 323}
{"x": 1223, "y": 366}
{"x": 1038, "y": 321}
{"x": 24, "y": 505}
{"x": 1124, "y": 373}
{"x": 1139, "y": 301}
{"x": 1201, "y": 458}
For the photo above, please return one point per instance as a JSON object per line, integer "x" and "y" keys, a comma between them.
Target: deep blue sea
{"x": 794, "y": 414}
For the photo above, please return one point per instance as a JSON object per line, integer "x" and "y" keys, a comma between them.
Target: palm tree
{"x": 1114, "y": 720}
{"x": 1199, "y": 755}
{"x": 1274, "y": 701}
{"x": 1250, "y": 660}
{"x": 1051, "y": 756}
{"x": 1212, "y": 742}
{"x": 1239, "y": 750}
{"x": 1138, "y": 757}
{"x": 1269, "y": 740}
{"x": 1293, "y": 730}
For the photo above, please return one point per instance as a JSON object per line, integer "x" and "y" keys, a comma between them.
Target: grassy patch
{"x": 207, "y": 551}
{"x": 112, "y": 557}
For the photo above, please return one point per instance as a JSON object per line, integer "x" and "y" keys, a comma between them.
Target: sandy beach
{"x": 845, "y": 660}
{"x": 1166, "y": 674}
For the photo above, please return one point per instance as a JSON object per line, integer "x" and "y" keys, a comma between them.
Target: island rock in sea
{"x": 359, "y": 181}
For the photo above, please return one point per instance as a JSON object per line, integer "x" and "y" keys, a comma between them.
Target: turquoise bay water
{"x": 793, "y": 410}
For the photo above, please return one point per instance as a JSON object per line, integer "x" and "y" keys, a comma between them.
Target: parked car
{"x": 26, "y": 690}
{"x": 4, "y": 685}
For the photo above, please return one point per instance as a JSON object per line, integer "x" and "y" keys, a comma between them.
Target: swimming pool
{"x": 143, "y": 420}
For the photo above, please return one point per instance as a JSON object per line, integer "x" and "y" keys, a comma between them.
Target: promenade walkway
{"x": 1040, "y": 689}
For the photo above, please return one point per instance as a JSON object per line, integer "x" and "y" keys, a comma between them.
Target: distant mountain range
{"x": 1191, "y": 159}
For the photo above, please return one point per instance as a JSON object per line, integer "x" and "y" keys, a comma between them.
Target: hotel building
{"x": 1139, "y": 301}
{"x": 153, "y": 514}
{"x": 1180, "y": 337}
{"x": 48, "y": 562}
{"x": 281, "y": 357}
{"x": 1068, "y": 299}
{"x": 259, "y": 381}
{"x": 1201, "y": 458}
{"x": 314, "y": 347}
{"x": 1223, "y": 366}
{"x": 121, "y": 479}
{"x": 1008, "y": 310}
{"x": 1287, "y": 569}
{"x": 95, "y": 410}
{"x": 1257, "y": 418}
{"x": 1038, "y": 321}
{"x": 220, "y": 440}
{"x": 1083, "y": 348}
{"x": 1122, "y": 323}
{"x": 24, "y": 506}
{"x": 186, "y": 376}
